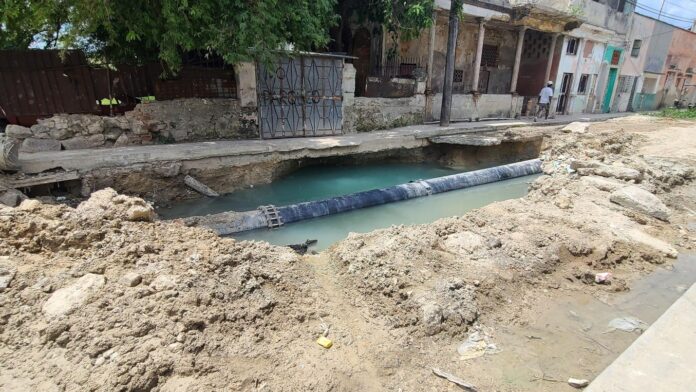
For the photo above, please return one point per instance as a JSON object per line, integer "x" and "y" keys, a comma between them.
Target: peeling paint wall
{"x": 589, "y": 61}
{"x": 465, "y": 106}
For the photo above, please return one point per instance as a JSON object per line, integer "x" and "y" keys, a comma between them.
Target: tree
{"x": 32, "y": 22}
{"x": 137, "y": 31}
{"x": 403, "y": 19}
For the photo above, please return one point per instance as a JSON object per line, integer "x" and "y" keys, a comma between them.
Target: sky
{"x": 683, "y": 10}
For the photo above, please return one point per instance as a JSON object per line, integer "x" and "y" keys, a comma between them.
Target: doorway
{"x": 611, "y": 81}
{"x": 564, "y": 93}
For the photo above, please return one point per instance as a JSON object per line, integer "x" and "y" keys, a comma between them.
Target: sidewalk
{"x": 662, "y": 359}
{"x": 409, "y": 137}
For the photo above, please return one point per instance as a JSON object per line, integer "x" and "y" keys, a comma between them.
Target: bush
{"x": 678, "y": 113}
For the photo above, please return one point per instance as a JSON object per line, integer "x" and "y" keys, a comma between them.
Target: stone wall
{"x": 370, "y": 114}
{"x": 465, "y": 106}
{"x": 180, "y": 120}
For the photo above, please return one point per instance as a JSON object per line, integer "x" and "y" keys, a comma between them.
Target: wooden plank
{"x": 44, "y": 179}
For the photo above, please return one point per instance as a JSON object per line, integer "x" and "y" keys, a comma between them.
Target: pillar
{"x": 549, "y": 61}
{"x": 429, "y": 82}
{"x": 446, "y": 109}
{"x": 479, "y": 52}
{"x": 576, "y": 75}
{"x": 518, "y": 56}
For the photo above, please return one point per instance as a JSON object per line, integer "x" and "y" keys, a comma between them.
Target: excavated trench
{"x": 326, "y": 198}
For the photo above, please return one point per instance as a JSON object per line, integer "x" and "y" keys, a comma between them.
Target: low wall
{"x": 179, "y": 120}
{"x": 369, "y": 114}
{"x": 465, "y": 106}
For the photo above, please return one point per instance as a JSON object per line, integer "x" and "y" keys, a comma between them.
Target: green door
{"x": 610, "y": 88}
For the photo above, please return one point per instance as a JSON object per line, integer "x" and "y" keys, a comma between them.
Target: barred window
{"x": 582, "y": 85}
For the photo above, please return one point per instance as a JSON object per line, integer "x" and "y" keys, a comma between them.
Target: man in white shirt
{"x": 545, "y": 96}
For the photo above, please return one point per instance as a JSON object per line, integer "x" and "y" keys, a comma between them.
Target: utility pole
{"x": 455, "y": 9}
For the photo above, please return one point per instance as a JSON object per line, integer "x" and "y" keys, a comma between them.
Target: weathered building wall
{"x": 370, "y": 114}
{"x": 641, "y": 29}
{"x": 466, "y": 106}
{"x": 681, "y": 65}
{"x": 177, "y": 120}
{"x": 587, "y": 61}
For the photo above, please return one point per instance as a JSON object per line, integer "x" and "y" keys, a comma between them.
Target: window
{"x": 458, "y": 76}
{"x": 489, "y": 56}
{"x": 615, "y": 57}
{"x": 625, "y": 83}
{"x": 649, "y": 85}
{"x": 582, "y": 85}
{"x": 621, "y": 5}
{"x": 592, "y": 83}
{"x": 636, "y": 48}
{"x": 572, "y": 47}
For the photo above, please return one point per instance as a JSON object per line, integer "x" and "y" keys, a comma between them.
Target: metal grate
{"x": 458, "y": 76}
{"x": 489, "y": 56}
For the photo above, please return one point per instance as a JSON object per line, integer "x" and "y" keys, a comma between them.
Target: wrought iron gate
{"x": 300, "y": 97}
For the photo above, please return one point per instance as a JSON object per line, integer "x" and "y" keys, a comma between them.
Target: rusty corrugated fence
{"x": 40, "y": 83}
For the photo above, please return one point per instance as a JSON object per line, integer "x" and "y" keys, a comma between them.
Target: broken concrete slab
{"x": 642, "y": 238}
{"x": 82, "y": 142}
{"x": 576, "y": 127}
{"x": 467, "y": 140}
{"x": 602, "y": 183}
{"x": 39, "y": 145}
{"x": 639, "y": 199}
{"x": 67, "y": 299}
{"x": 587, "y": 168}
{"x": 11, "y": 197}
{"x": 18, "y": 131}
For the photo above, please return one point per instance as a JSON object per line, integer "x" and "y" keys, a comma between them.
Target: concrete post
{"x": 576, "y": 76}
{"x": 246, "y": 84}
{"x": 518, "y": 57}
{"x": 446, "y": 109}
{"x": 429, "y": 82}
{"x": 549, "y": 61}
{"x": 348, "y": 87}
{"x": 479, "y": 53}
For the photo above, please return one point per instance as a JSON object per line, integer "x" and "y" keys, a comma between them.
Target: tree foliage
{"x": 139, "y": 31}
{"x": 401, "y": 18}
{"x": 25, "y": 22}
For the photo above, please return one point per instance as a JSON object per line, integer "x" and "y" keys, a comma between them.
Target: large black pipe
{"x": 354, "y": 201}
{"x": 228, "y": 223}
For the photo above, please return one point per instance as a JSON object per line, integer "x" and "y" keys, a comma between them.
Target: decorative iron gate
{"x": 300, "y": 97}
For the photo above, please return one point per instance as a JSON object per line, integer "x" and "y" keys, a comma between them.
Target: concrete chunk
{"x": 39, "y": 145}
{"x": 603, "y": 184}
{"x": 69, "y": 298}
{"x": 18, "y": 131}
{"x": 640, "y": 200}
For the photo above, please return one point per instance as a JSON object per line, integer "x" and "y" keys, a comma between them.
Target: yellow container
{"x": 324, "y": 342}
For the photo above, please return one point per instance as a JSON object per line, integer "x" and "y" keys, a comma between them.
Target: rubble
{"x": 106, "y": 297}
{"x": 640, "y": 200}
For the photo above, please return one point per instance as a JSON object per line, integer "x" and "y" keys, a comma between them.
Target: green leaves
{"x": 141, "y": 31}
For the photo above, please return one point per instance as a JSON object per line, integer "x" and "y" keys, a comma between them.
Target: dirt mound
{"x": 97, "y": 302}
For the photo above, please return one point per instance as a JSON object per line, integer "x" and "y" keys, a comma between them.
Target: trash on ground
{"x": 476, "y": 345}
{"x": 325, "y": 342}
{"x": 578, "y": 382}
{"x": 603, "y": 277}
{"x": 454, "y": 379}
{"x": 627, "y": 324}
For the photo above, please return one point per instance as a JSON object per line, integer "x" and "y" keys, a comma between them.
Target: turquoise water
{"x": 320, "y": 182}
{"x": 332, "y": 228}
{"x": 310, "y": 183}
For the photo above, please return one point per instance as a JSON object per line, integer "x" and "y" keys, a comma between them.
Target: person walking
{"x": 545, "y": 96}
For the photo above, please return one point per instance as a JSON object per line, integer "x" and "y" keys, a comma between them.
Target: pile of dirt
{"x": 563, "y": 233}
{"x": 101, "y": 298}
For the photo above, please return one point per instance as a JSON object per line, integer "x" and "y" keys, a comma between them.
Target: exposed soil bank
{"x": 100, "y": 298}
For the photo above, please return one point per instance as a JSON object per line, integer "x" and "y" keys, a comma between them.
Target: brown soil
{"x": 174, "y": 308}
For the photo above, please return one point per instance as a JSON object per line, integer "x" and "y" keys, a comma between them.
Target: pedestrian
{"x": 545, "y": 96}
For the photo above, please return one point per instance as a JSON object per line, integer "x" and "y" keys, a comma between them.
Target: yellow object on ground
{"x": 324, "y": 342}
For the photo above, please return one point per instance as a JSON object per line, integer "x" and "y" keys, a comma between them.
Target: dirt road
{"x": 104, "y": 298}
